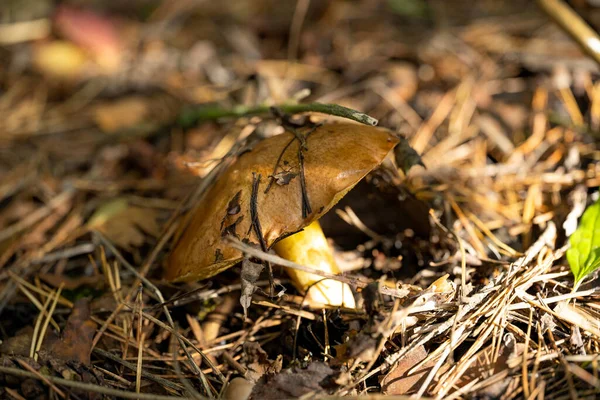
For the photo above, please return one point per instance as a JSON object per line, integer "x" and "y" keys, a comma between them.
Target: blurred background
{"x": 501, "y": 104}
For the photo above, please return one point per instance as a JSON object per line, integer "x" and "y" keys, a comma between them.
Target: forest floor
{"x": 115, "y": 118}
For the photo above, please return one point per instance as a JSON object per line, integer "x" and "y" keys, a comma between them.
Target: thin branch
{"x": 161, "y": 299}
{"x": 161, "y": 381}
{"x": 244, "y": 248}
{"x": 194, "y": 115}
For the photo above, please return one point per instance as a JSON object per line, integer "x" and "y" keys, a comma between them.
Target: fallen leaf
{"x": 258, "y": 362}
{"x": 123, "y": 223}
{"x": 578, "y": 316}
{"x": 484, "y": 365}
{"x": 398, "y": 382}
{"x": 118, "y": 115}
{"x": 75, "y": 343}
{"x": 293, "y": 382}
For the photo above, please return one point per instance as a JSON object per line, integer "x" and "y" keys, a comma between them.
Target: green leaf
{"x": 584, "y": 254}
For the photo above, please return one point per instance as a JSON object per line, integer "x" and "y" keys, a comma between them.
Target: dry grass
{"x": 474, "y": 298}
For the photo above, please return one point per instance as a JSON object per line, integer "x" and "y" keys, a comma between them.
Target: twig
{"x": 272, "y": 176}
{"x": 296, "y": 28}
{"x": 239, "y": 245}
{"x": 255, "y": 225}
{"x": 202, "y": 293}
{"x": 36, "y": 215}
{"x": 36, "y": 328}
{"x": 40, "y": 339}
{"x": 208, "y": 113}
{"x": 161, "y": 381}
{"x": 161, "y": 299}
{"x": 140, "y": 338}
{"x": 574, "y": 25}
{"x": 524, "y": 365}
{"x": 186, "y": 340}
{"x": 306, "y": 208}
{"x": 188, "y": 386}
{"x": 74, "y": 251}
{"x": 463, "y": 255}
{"x": 234, "y": 364}
{"x": 14, "y": 394}
{"x": 143, "y": 270}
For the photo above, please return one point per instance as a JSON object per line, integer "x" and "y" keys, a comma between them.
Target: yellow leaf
{"x": 124, "y": 224}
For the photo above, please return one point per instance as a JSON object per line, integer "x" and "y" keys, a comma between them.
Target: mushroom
{"x": 272, "y": 196}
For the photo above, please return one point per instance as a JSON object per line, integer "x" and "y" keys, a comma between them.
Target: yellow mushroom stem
{"x": 309, "y": 247}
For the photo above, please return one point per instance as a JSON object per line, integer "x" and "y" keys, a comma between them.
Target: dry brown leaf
{"x": 578, "y": 316}
{"x": 398, "y": 382}
{"x": 123, "y": 223}
{"x": 75, "y": 343}
{"x": 293, "y": 383}
{"x": 337, "y": 157}
{"x": 484, "y": 365}
{"x": 258, "y": 362}
{"x": 122, "y": 114}
{"x": 481, "y": 367}
{"x": 407, "y": 157}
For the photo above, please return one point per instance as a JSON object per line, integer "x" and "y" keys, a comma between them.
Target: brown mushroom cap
{"x": 337, "y": 157}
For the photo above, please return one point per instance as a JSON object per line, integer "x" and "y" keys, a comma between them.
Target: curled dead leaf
{"x": 75, "y": 343}
{"x": 258, "y": 362}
